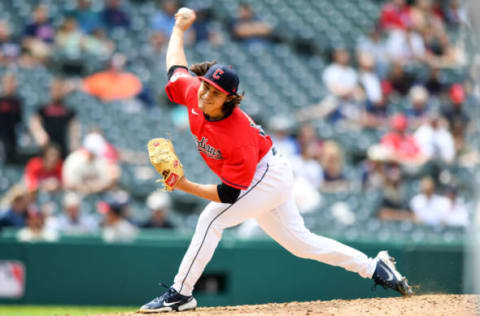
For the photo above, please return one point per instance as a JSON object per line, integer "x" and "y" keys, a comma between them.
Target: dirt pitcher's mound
{"x": 422, "y": 305}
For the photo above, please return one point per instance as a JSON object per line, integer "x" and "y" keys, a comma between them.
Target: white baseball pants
{"x": 269, "y": 200}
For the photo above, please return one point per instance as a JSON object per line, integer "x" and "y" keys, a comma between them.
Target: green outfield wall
{"x": 88, "y": 271}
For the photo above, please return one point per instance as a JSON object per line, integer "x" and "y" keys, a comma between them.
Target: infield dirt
{"x": 421, "y": 305}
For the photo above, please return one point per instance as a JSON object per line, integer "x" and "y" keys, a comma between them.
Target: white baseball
{"x": 186, "y": 12}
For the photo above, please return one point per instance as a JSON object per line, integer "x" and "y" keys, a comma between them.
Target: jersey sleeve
{"x": 180, "y": 85}
{"x": 239, "y": 169}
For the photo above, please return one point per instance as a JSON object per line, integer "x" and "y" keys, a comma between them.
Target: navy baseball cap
{"x": 222, "y": 77}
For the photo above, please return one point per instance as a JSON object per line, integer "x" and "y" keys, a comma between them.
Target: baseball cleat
{"x": 170, "y": 301}
{"x": 387, "y": 275}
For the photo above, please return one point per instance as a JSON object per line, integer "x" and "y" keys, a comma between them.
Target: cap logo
{"x": 216, "y": 75}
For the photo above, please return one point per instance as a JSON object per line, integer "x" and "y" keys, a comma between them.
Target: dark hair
{"x": 201, "y": 69}
{"x": 51, "y": 146}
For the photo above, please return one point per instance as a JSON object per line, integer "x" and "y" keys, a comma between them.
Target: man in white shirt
{"x": 369, "y": 79}
{"x": 117, "y": 228}
{"x": 339, "y": 77}
{"x": 87, "y": 172}
{"x": 36, "y": 230}
{"x": 435, "y": 140}
{"x": 405, "y": 46}
{"x": 458, "y": 214}
{"x": 429, "y": 208}
{"x": 73, "y": 221}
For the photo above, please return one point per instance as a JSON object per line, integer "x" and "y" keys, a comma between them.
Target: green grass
{"x": 46, "y": 310}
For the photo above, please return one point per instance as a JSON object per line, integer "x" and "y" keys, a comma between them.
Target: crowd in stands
{"x": 428, "y": 127}
{"x": 423, "y": 121}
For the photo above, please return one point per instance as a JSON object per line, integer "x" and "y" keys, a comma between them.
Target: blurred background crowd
{"x": 373, "y": 102}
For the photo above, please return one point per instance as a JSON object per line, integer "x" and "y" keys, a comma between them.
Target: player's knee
{"x": 205, "y": 219}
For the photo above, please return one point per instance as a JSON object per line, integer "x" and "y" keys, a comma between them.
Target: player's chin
{"x": 203, "y": 105}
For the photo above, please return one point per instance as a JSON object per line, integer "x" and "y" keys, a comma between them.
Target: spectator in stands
{"x": 394, "y": 205}
{"x": 280, "y": 128}
{"x": 466, "y": 154}
{"x": 10, "y": 50}
{"x": 69, "y": 43}
{"x": 454, "y": 110}
{"x": 332, "y": 162}
{"x": 160, "y": 206}
{"x": 429, "y": 22}
{"x": 248, "y": 28}
{"x": 115, "y": 15}
{"x": 307, "y": 136}
{"x": 88, "y": 18}
{"x": 10, "y": 118}
{"x": 374, "y": 45}
{"x": 56, "y": 123}
{"x": 39, "y": 34}
{"x": 440, "y": 52}
{"x": 376, "y": 115}
{"x": 435, "y": 140}
{"x": 395, "y": 15}
{"x": 162, "y": 24}
{"x": 73, "y": 221}
{"x": 116, "y": 226}
{"x": 85, "y": 171}
{"x": 113, "y": 83}
{"x": 423, "y": 16}
{"x": 455, "y": 14}
{"x": 341, "y": 81}
{"x": 429, "y": 207}
{"x": 101, "y": 147}
{"x": 418, "y": 112}
{"x": 308, "y": 177}
{"x": 405, "y": 47}
{"x": 202, "y": 28}
{"x": 45, "y": 173}
{"x": 374, "y": 168}
{"x": 69, "y": 39}
{"x": 457, "y": 214}
{"x": 307, "y": 167}
{"x": 403, "y": 148}
{"x": 36, "y": 230}
{"x": 339, "y": 77}
{"x": 17, "y": 201}
{"x": 435, "y": 83}
{"x": 368, "y": 78}
{"x": 98, "y": 44}
{"x": 309, "y": 174}
{"x": 400, "y": 80}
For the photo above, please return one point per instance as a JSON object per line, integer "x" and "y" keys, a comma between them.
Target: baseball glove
{"x": 163, "y": 158}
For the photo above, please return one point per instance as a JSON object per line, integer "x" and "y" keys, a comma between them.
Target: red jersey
{"x": 393, "y": 17}
{"x": 35, "y": 173}
{"x": 405, "y": 146}
{"x": 232, "y": 146}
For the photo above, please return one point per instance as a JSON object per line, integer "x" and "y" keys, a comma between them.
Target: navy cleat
{"x": 171, "y": 300}
{"x": 387, "y": 275}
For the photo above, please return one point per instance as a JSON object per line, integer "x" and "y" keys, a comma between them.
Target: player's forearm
{"x": 206, "y": 191}
{"x": 175, "y": 49}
